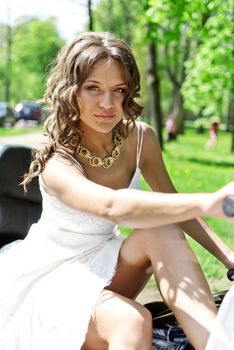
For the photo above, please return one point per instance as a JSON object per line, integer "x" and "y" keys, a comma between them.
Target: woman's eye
{"x": 93, "y": 88}
{"x": 121, "y": 90}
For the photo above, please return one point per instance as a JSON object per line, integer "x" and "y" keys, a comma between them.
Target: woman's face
{"x": 101, "y": 96}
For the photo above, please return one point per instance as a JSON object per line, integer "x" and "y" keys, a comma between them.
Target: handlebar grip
{"x": 228, "y": 206}
{"x": 230, "y": 274}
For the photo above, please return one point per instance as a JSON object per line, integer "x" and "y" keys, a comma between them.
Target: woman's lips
{"x": 104, "y": 116}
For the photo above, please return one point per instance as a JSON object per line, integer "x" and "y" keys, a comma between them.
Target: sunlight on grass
{"x": 6, "y": 132}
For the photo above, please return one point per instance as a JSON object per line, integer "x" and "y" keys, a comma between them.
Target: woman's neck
{"x": 97, "y": 142}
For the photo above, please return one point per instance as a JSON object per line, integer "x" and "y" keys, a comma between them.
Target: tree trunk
{"x": 90, "y": 13}
{"x": 230, "y": 115}
{"x": 126, "y": 21}
{"x": 177, "y": 76}
{"x": 179, "y": 112}
{"x": 231, "y": 121}
{"x": 154, "y": 84}
{"x": 232, "y": 145}
{"x": 8, "y": 64}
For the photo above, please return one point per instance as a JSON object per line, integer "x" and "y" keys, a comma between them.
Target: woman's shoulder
{"x": 150, "y": 143}
{"x": 142, "y": 130}
{"x": 140, "y": 125}
{"x": 142, "y": 137}
{"x": 148, "y": 132}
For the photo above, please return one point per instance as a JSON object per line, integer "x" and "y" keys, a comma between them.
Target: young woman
{"x": 71, "y": 283}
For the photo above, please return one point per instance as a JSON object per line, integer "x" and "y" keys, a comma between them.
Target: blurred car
{"x": 7, "y": 117}
{"x": 46, "y": 111}
{"x": 28, "y": 110}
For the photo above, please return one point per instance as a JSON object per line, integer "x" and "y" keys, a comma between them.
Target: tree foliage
{"x": 35, "y": 43}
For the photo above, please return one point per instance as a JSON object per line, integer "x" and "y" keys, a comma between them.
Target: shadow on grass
{"x": 200, "y": 160}
{"x": 210, "y": 162}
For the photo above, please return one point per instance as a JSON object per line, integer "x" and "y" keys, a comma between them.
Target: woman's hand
{"x": 217, "y": 205}
{"x": 229, "y": 262}
{"x": 221, "y": 195}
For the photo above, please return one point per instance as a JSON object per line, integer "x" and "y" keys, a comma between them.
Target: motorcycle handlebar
{"x": 230, "y": 275}
{"x": 228, "y": 206}
{"x": 228, "y": 209}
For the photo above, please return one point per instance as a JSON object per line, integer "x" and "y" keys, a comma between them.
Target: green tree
{"x": 177, "y": 24}
{"x": 174, "y": 46}
{"x": 210, "y": 70}
{"x": 117, "y": 16}
{"x": 35, "y": 43}
{"x": 197, "y": 40}
{"x": 5, "y": 61}
{"x": 209, "y": 86}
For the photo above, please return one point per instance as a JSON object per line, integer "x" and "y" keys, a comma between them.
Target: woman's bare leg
{"x": 180, "y": 279}
{"x": 165, "y": 252}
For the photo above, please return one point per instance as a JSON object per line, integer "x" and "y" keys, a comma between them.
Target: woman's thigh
{"x": 147, "y": 251}
{"x": 144, "y": 252}
{"x": 133, "y": 268}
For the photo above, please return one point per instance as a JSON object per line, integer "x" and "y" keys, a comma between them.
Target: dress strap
{"x": 73, "y": 159}
{"x": 65, "y": 155}
{"x": 139, "y": 142}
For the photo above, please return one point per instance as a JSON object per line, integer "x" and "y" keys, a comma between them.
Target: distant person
{"x": 213, "y": 133}
{"x": 171, "y": 129}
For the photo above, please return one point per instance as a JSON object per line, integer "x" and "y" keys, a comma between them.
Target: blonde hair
{"x": 72, "y": 67}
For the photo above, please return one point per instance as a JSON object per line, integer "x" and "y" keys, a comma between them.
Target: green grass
{"x": 6, "y": 132}
{"x": 194, "y": 169}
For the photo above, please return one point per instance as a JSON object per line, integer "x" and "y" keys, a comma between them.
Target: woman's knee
{"x": 135, "y": 327}
{"x": 158, "y": 239}
{"x": 145, "y": 246}
{"x": 172, "y": 232}
{"x": 139, "y": 319}
{"x": 119, "y": 320}
{"x": 158, "y": 234}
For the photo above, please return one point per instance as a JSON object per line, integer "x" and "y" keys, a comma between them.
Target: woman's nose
{"x": 106, "y": 101}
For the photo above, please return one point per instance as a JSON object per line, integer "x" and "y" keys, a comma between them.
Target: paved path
{"x": 36, "y": 140}
{"x": 148, "y": 295}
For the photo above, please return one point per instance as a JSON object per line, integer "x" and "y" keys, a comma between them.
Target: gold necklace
{"x": 106, "y": 162}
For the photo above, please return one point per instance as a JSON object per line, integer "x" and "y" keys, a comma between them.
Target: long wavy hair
{"x": 70, "y": 69}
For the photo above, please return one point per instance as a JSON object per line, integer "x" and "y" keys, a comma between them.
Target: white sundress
{"x": 222, "y": 336}
{"x": 51, "y": 280}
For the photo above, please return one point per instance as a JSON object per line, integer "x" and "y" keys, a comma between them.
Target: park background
{"x": 185, "y": 53}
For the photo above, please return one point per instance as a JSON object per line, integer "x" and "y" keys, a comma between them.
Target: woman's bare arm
{"x": 130, "y": 207}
